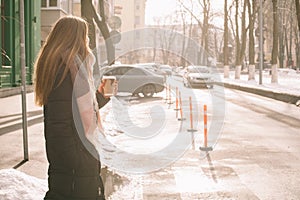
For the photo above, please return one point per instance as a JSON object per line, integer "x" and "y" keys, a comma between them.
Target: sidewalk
{"x": 287, "y": 89}
{"x": 11, "y": 136}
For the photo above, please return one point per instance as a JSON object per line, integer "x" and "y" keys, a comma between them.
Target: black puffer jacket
{"x": 74, "y": 166}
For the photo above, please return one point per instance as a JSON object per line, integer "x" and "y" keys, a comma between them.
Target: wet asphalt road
{"x": 255, "y": 156}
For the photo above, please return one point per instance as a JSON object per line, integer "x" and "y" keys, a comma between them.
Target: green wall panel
{"x": 11, "y": 36}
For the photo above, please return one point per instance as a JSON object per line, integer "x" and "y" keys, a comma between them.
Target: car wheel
{"x": 148, "y": 90}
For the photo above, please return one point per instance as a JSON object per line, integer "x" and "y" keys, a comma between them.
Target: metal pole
{"x": 261, "y": 61}
{"x": 23, "y": 81}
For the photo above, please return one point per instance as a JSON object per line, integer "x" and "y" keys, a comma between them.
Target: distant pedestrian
{"x": 63, "y": 85}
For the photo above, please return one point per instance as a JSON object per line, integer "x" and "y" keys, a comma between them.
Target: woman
{"x": 64, "y": 87}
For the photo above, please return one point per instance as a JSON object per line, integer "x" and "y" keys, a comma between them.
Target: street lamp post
{"x": 23, "y": 80}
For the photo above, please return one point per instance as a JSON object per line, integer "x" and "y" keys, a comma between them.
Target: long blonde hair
{"x": 67, "y": 40}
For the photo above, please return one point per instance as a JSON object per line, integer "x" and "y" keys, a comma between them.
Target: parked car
{"x": 135, "y": 80}
{"x": 152, "y": 67}
{"x": 167, "y": 69}
{"x": 197, "y": 76}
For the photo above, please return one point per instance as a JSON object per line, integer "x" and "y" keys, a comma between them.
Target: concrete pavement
{"x": 11, "y": 136}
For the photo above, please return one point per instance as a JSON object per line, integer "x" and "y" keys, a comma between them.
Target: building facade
{"x": 40, "y": 16}
{"x": 52, "y": 10}
{"x": 132, "y": 15}
{"x": 131, "y": 12}
{"x": 10, "y": 69}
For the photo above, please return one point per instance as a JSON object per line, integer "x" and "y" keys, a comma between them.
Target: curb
{"x": 10, "y": 91}
{"x": 285, "y": 97}
{"x": 280, "y": 96}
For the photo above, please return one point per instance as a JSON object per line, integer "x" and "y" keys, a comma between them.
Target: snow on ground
{"x": 16, "y": 185}
{"x": 288, "y": 81}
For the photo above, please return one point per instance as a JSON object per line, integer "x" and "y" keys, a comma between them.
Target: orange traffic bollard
{"x": 191, "y": 117}
{"x": 170, "y": 96}
{"x": 176, "y": 103}
{"x": 180, "y": 109}
{"x": 205, "y": 147}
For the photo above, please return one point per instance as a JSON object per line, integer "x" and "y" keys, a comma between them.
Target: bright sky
{"x": 160, "y": 8}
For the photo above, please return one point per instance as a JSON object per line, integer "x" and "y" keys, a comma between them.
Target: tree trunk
{"x": 89, "y": 13}
{"x": 183, "y": 48}
{"x": 205, "y": 24}
{"x": 110, "y": 48}
{"x": 281, "y": 41}
{"x": 297, "y": 48}
{"x": 237, "y": 42}
{"x": 298, "y": 13}
{"x": 225, "y": 47}
{"x": 251, "y": 14}
{"x": 243, "y": 35}
{"x": 274, "y": 78}
{"x": 86, "y": 7}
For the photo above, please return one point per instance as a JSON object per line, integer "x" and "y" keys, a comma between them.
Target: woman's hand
{"x": 101, "y": 87}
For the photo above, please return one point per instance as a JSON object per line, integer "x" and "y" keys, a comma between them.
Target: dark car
{"x": 135, "y": 80}
{"x": 198, "y": 76}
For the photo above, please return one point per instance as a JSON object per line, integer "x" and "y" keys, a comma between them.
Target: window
{"x": 135, "y": 72}
{"x": 49, "y": 3}
{"x": 62, "y": 4}
{"x": 52, "y": 3}
{"x": 44, "y": 3}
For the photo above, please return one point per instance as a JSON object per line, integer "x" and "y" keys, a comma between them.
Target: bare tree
{"x": 206, "y": 12}
{"x": 203, "y": 21}
{"x": 274, "y": 58}
{"x": 298, "y": 13}
{"x": 252, "y": 15}
{"x": 297, "y": 47}
{"x": 167, "y": 39}
{"x": 225, "y": 46}
{"x": 187, "y": 26}
{"x": 297, "y": 34}
{"x": 282, "y": 33}
{"x": 165, "y": 36}
{"x": 88, "y": 11}
{"x": 240, "y": 42}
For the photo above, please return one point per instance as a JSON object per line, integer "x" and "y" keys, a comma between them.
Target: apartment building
{"x": 131, "y": 12}
{"x": 132, "y": 15}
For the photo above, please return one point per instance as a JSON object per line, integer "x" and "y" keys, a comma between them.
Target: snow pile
{"x": 131, "y": 190}
{"x": 16, "y": 185}
{"x": 288, "y": 81}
